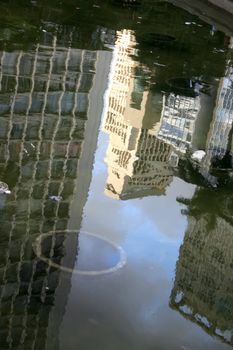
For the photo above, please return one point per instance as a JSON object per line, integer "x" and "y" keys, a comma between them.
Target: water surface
{"x": 115, "y": 177}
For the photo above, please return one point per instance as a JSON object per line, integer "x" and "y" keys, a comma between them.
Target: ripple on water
{"x": 95, "y": 255}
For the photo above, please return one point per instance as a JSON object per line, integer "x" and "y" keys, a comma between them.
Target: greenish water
{"x": 116, "y": 172}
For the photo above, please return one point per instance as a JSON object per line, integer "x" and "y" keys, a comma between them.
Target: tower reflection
{"x": 46, "y": 118}
{"x": 151, "y": 132}
{"x": 202, "y": 289}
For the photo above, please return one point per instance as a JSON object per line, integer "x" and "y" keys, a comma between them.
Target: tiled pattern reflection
{"x": 43, "y": 108}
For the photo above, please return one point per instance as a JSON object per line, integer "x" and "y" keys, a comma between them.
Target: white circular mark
{"x": 38, "y": 244}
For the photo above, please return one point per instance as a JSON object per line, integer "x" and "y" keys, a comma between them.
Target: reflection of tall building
{"x": 181, "y": 122}
{"x": 219, "y": 139}
{"x": 44, "y": 104}
{"x": 140, "y": 172}
{"x": 202, "y": 290}
{"x": 178, "y": 119}
{"x": 137, "y": 160}
{"x": 185, "y": 122}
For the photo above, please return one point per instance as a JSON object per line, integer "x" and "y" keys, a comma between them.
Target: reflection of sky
{"x": 109, "y": 255}
{"x": 149, "y": 229}
{"x": 129, "y": 309}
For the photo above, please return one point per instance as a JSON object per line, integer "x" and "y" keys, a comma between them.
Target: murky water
{"x": 116, "y": 175}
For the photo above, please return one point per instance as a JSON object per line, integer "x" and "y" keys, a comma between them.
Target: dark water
{"x": 116, "y": 170}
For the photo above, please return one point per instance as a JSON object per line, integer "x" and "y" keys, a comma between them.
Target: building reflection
{"x": 46, "y": 115}
{"x": 138, "y": 162}
{"x": 178, "y": 119}
{"x": 219, "y": 143}
{"x": 151, "y": 131}
{"x": 202, "y": 289}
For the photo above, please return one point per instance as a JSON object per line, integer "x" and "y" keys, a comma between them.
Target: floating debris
{"x": 159, "y": 64}
{"x": 4, "y": 188}
{"x": 198, "y": 155}
{"x": 218, "y": 50}
{"x": 56, "y": 198}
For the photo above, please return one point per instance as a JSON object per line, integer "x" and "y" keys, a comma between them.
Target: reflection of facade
{"x": 182, "y": 124}
{"x": 185, "y": 125}
{"x": 202, "y": 290}
{"x": 44, "y": 101}
{"x": 178, "y": 120}
{"x": 219, "y": 139}
{"x": 143, "y": 171}
{"x": 137, "y": 160}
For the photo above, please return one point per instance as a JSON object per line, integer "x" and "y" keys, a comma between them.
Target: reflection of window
{"x": 37, "y": 103}
{"x": 57, "y": 168}
{"x": 137, "y": 94}
{"x": 4, "y": 106}
{"x": 67, "y": 103}
{"x": 82, "y": 102}
{"x": 17, "y": 130}
{"x": 42, "y": 169}
{"x": 4, "y": 128}
{"x": 111, "y": 188}
{"x": 52, "y": 102}
{"x": 42, "y": 66}
{"x": 59, "y": 150}
{"x": 21, "y": 104}
{"x": 33, "y": 129}
{"x": 71, "y": 168}
{"x": 86, "y": 82}
{"x": 10, "y": 62}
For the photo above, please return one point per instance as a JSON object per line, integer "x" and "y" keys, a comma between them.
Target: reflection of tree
{"x": 211, "y": 203}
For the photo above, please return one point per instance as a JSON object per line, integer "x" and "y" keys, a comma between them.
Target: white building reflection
{"x": 137, "y": 160}
{"x": 179, "y": 125}
{"x": 219, "y": 139}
